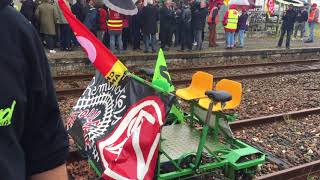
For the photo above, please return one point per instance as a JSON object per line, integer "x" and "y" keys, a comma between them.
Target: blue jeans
{"x": 230, "y": 39}
{"x": 149, "y": 39}
{"x": 311, "y": 31}
{"x": 113, "y": 36}
{"x": 241, "y": 37}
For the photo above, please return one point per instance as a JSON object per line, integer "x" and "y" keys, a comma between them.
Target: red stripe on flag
{"x": 98, "y": 54}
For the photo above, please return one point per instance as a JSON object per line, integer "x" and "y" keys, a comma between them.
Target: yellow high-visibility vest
{"x": 232, "y": 21}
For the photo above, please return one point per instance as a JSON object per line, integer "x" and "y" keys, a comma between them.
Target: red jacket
{"x": 115, "y": 21}
{"x": 103, "y": 19}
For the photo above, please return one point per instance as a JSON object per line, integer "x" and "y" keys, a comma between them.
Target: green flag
{"x": 161, "y": 77}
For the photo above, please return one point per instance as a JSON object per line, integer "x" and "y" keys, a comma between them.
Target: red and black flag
{"x": 117, "y": 119}
{"x": 119, "y": 126}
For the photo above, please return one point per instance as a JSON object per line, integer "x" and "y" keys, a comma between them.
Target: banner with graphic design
{"x": 108, "y": 64}
{"x": 118, "y": 125}
{"x": 269, "y": 7}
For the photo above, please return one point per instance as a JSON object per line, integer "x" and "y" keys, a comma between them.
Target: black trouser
{"x": 125, "y": 38}
{"x": 283, "y": 32}
{"x": 49, "y": 40}
{"x": 177, "y": 35}
{"x": 66, "y": 35}
{"x": 136, "y": 41}
{"x": 165, "y": 37}
{"x": 186, "y": 37}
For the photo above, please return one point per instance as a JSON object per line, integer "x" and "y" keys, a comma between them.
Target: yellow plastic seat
{"x": 200, "y": 83}
{"x": 233, "y": 87}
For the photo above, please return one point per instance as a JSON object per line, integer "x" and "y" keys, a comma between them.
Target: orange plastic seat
{"x": 200, "y": 83}
{"x": 233, "y": 87}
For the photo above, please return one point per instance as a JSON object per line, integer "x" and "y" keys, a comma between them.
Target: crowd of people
{"x": 294, "y": 21}
{"x": 177, "y": 24}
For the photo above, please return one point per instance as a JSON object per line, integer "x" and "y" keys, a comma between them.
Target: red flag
{"x": 108, "y": 64}
{"x": 269, "y": 7}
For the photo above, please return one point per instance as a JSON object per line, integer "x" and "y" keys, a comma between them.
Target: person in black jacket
{"x": 79, "y": 10}
{"x": 28, "y": 9}
{"x": 200, "y": 22}
{"x": 166, "y": 15}
{"x": 135, "y": 23}
{"x": 301, "y": 20}
{"x": 186, "y": 31}
{"x": 149, "y": 15}
{"x": 178, "y": 25}
{"x": 194, "y": 7}
{"x": 288, "y": 19}
{"x": 33, "y": 143}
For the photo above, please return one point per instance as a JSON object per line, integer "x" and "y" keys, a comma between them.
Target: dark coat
{"x": 288, "y": 19}
{"x": 91, "y": 20}
{"x": 28, "y": 9}
{"x": 79, "y": 10}
{"x": 166, "y": 21}
{"x": 195, "y": 7}
{"x": 149, "y": 16}
{"x": 200, "y": 19}
{"x": 302, "y": 16}
{"x": 186, "y": 16}
{"x": 242, "y": 22}
{"x": 166, "y": 18}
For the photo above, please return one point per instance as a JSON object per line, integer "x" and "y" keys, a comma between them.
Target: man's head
{"x": 203, "y": 4}
{"x": 168, "y": 3}
{"x": 290, "y": 7}
{"x": 191, "y": 1}
{"x": 91, "y": 2}
{"x": 314, "y": 6}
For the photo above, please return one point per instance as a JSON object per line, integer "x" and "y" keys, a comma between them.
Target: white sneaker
{"x": 52, "y": 51}
{"x": 195, "y": 43}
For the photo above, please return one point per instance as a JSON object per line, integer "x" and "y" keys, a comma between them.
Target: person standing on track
{"x": 213, "y": 20}
{"x": 200, "y": 22}
{"x": 34, "y": 142}
{"x": 288, "y": 19}
{"x": 47, "y": 15}
{"x": 230, "y": 21}
{"x": 166, "y": 16}
{"x": 301, "y": 19}
{"x": 186, "y": 34}
{"x": 149, "y": 26}
{"x": 312, "y": 20}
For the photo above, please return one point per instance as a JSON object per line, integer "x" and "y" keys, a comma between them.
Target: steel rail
{"x": 272, "y": 118}
{"x": 79, "y": 91}
{"x": 304, "y": 171}
{"x": 216, "y": 67}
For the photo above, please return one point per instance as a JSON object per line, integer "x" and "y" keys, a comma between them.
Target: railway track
{"x": 303, "y": 171}
{"x": 297, "y": 66}
{"x": 203, "y": 68}
{"x": 79, "y": 91}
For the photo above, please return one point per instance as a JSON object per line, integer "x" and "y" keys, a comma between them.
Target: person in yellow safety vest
{"x": 230, "y": 22}
{"x": 312, "y": 20}
{"x": 115, "y": 26}
{"x": 213, "y": 20}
